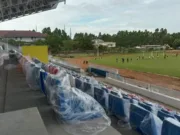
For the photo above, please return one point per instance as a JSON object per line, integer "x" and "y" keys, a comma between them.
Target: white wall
{"x": 28, "y": 39}
{"x": 174, "y": 102}
{"x": 109, "y": 44}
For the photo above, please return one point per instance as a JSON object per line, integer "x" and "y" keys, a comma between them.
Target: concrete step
{"x": 22, "y": 122}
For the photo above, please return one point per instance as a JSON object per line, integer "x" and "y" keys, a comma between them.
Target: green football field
{"x": 151, "y": 63}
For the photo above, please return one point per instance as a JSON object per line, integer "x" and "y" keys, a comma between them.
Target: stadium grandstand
{"x": 38, "y": 98}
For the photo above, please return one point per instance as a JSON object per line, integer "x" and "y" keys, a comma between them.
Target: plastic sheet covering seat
{"x": 88, "y": 89}
{"x": 132, "y": 100}
{"x": 35, "y": 60}
{"x": 102, "y": 96}
{"x": 150, "y": 107}
{"x": 79, "y": 83}
{"x": 151, "y": 125}
{"x": 50, "y": 86}
{"x": 137, "y": 114}
{"x": 79, "y": 112}
{"x": 43, "y": 76}
{"x": 170, "y": 127}
{"x": 72, "y": 81}
{"x": 88, "y": 86}
{"x": 162, "y": 114}
{"x": 177, "y": 116}
{"x": 119, "y": 107}
{"x": 33, "y": 76}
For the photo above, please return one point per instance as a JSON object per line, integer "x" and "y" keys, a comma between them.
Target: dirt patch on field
{"x": 173, "y": 51}
{"x": 164, "y": 81}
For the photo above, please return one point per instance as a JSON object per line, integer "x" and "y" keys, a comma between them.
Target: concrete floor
{"x": 22, "y": 122}
{"x": 15, "y": 94}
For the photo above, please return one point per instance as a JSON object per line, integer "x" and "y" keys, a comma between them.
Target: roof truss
{"x": 10, "y": 9}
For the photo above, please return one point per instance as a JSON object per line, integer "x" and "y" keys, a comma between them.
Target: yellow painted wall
{"x": 39, "y": 52}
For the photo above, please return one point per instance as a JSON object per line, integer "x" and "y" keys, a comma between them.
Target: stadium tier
{"x": 10, "y": 9}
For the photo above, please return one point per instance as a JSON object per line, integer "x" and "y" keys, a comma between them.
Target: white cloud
{"x": 149, "y": 1}
{"x": 100, "y": 21}
{"x": 107, "y": 16}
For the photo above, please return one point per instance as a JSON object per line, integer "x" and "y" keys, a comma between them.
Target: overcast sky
{"x": 107, "y": 16}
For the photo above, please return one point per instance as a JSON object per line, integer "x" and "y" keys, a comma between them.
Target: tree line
{"x": 58, "y": 40}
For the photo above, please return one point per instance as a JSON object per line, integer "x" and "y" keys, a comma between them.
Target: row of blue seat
{"x": 129, "y": 109}
{"x": 71, "y": 105}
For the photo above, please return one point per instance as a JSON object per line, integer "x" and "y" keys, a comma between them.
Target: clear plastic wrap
{"x": 33, "y": 75}
{"x": 149, "y": 106}
{"x": 24, "y": 61}
{"x": 1, "y": 60}
{"x": 72, "y": 80}
{"x": 151, "y": 125}
{"x": 137, "y": 115}
{"x": 3, "y": 56}
{"x": 52, "y": 81}
{"x": 120, "y": 108}
{"x": 89, "y": 84}
{"x": 101, "y": 94}
{"x": 79, "y": 112}
{"x": 170, "y": 127}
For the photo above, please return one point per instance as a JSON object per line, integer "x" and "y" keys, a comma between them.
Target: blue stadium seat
{"x": 72, "y": 110}
{"x": 145, "y": 106}
{"x": 137, "y": 114}
{"x": 119, "y": 107}
{"x": 151, "y": 125}
{"x": 114, "y": 93}
{"x": 170, "y": 127}
{"x": 33, "y": 77}
{"x": 101, "y": 95}
{"x": 43, "y": 76}
{"x": 87, "y": 88}
{"x": 177, "y": 117}
{"x": 78, "y": 83}
{"x": 163, "y": 114}
{"x": 51, "y": 84}
{"x": 132, "y": 100}
{"x": 35, "y": 60}
{"x": 127, "y": 97}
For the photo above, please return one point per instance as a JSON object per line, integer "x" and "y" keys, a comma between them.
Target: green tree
{"x": 47, "y": 31}
{"x": 176, "y": 43}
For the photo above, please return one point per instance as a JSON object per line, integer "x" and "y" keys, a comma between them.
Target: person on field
{"x": 116, "y": 60}
{"x": 131, "y": 59}
{"x": 176, "y": 54}
{"x": 122, "y": 60}
{"x": 165, "y": 56}
{"x": 127, "y": 60}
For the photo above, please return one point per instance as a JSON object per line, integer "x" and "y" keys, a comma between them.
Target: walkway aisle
{"x": 3, "y": 78}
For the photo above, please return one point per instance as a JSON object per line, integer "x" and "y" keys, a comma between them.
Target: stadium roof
{"x": 10, "y": 9}
{"x": 17, "y": 34}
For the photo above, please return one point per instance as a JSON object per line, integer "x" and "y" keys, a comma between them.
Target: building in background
{"x": 154, "y": 47}
{"x": 25, "y": 36}
{"x": 99, "y": 42}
